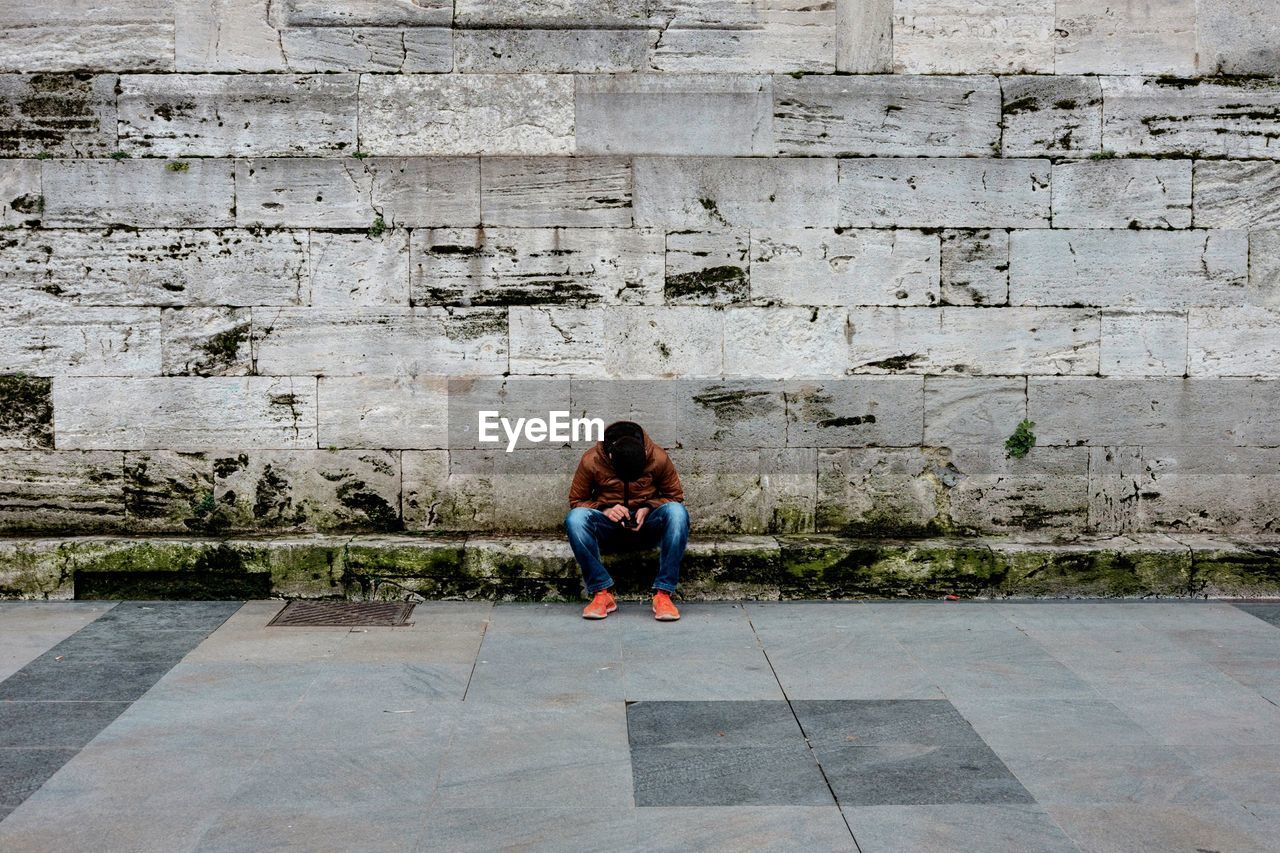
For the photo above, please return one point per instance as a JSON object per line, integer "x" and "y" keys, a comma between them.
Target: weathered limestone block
{"x": 552, "y": 340}
{"x": 60, "y": 490}
{"x": 1215, "y": 118}
{"x": 965, "y": 410}
{"x": 818, "y": 266}
{"x": 744, "y": 36}
{"x": 1143, "y": 343}
{"x": 171, "y": 267}
{"x": 368, "y": 13}
{"x": 650, "y": 114}
{"x": 864, "y": 36}
{"x": 69, "y": 35}
{"x": 332, "y": 193}
{"x": 26, "y": 412}
{"x": 1151, "y": 269}
{"x": 308, "y": 490}
{"x": 358, "y": 269}
{"x": 73, "y": 341}
{"x": 973, "y": 341}
{"x": 720, "y": 192}
{"x": 142, "y": 193}
{"x": 383, "y": 411}
{"x": 527, "y": 266}
{"x": 749, "y": 491}
{"x": 21, "y": 202}
{"x": 1122, "y": 194}
{"x": 1239, "y": 341}
{"x": 878, "y": 491}
{"x": 534, "y": 192}
{"x": 1237, "y": 37}
{"x": 239, "y": 114}
{"x": 379, "y": 341}
{"x": 424, "y": 480}
{"x": 1166, "y": 412}
{"x": 184, "y": 413}
{"x": 864, "y": 411}
{"x": 1237, "y": 194}
{"x": 551, "y": 14}
{"x": 71, "y": 115}
{"x": 517, "y": 396}
{"x": 619, "y": 341}
{"x": 1220, "y": 489}
{"x": 785, "y": 343}
{"x": 1051, "y": 116}
{"x": 1235, "y": 566}
{"x": 975, "y": 267}
{"x": 167, "y": 491}
{"x": 227, "y": 35}
{"x": 376, "y": 49}
{"x": 708, "y": 267}
{"x": 205, "y": 342}
{"x": 1264, "y": 268}
{"x": 689, "y": 414}
{"x": 488, "y": 490}
{"x": 954, "y": 193}
{"x": 467, "y": 114}
{"x": 958, "y": 37}
{"x": 1143, "y": 37}
{"x": 887, "y": 115}
{"x": 517, "y": 51}
{"x": 1139, "y": 565}
{"x": 1046, "y": 490}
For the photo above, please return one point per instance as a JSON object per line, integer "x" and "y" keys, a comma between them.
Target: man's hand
{"x": 617, "y": 513}
{"x": 641, "y": 514}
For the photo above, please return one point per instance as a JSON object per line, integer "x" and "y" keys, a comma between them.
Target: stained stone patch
{"x": 1051, "y": 116}
{"x": 57, "y": 114}
{"x": 26, "y": 412}
{"x": 707, "y": 268}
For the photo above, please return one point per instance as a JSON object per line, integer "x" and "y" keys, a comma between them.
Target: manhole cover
{"x": 343, "y": 613}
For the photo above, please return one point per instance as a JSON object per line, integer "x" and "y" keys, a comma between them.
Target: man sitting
{"x": 626, "y": 493}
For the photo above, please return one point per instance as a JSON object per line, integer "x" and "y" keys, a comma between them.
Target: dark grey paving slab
{"x": 22, "y": 771}
{"x": 712, "y": 724}
{"x": 728, "y": 776}
{"x": 887, "y": 721}
{"x": 122, "y": 642}
{"x": 951, "y": 828}
{"x": 171, "y": 615}
{"x": 1267, "y": 611}
{"x": 912, "y": 774}
{"x": 103, "y": 681}
{"x": 67, "y": 725}
{"x": 732, "y": 829}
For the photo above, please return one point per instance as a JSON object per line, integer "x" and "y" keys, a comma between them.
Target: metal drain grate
{"x": 301, "y": 614}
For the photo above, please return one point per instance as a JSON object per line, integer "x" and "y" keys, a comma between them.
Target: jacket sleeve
{"x": 580, "y": 489}
{"x": 667, "y": 482}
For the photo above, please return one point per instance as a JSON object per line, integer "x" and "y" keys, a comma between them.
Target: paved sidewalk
{"x": 774, "y": 726}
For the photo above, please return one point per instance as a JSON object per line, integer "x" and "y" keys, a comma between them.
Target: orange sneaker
{"x": 601, "y": 605}
{"x": 663, "y": 609}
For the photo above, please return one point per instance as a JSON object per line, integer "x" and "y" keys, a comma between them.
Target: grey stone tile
{"x": 1111, "y": 774}
{"x": 1028, "y": 724}
{"x": 944, "y": 829}
{"x": 101, "y": 681}
{"x": 392, "y": 681}
{"x": 463, "y": 830}
{"x": 55, "y": 724}
{"x": 879, "y": 671}
{"x": 1129, "y": 828}
{"x": 876, "y": 722}
{"x": 22, "y": 771}
{"x": 437, "y": 644}
{"x": 172, "y": 615}
{"x": 229, "y": 682}
{"x": 360, "y": 774}
{"x": 1208, "y": 715}
{"x": 728, "y": 776}
{"x": 706, "y": 679}
{"x": 196, "y": 723}
{"x": 1247, "y": 773}
{"x": 712, "y": 724}
{"x": 513, "y": 682}
{"x": 40, "y": 829}
{"x": 337, "y": 828}
{"x": 736, "y": 828}
{"x": 911, "y": 774}
{"x": 1267, "y": 612}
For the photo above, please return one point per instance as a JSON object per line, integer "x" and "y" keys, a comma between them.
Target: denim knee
{"x": 578, "y": 521}
{"x": 676, "y": 515}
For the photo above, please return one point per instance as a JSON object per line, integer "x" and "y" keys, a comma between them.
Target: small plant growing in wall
{"x": 120, "y": 155}
{"x": 1023, "y": 439}
{"x": 178, "y": 166}
{"x": 378, "y": 228}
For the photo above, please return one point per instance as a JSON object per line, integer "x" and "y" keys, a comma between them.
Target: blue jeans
{"x": 666, "y": 526}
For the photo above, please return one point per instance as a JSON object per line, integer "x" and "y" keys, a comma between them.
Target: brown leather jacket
{"x": 596, "y": 486}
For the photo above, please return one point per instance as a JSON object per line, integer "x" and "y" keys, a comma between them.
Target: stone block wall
{"x": 247, "y": 245}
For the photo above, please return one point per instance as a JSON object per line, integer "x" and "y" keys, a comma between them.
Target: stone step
{"x": 542, "y": 568}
